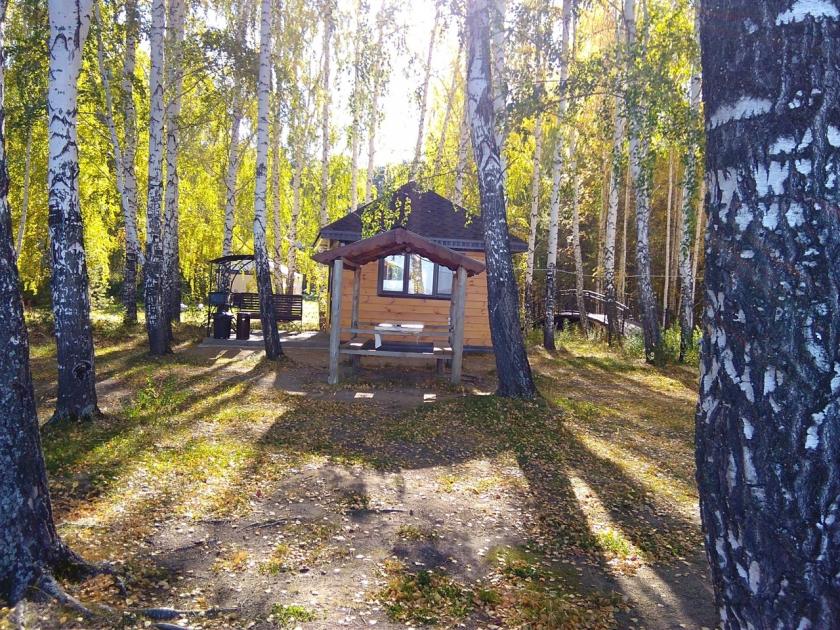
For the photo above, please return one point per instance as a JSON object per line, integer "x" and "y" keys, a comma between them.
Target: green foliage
{"x": 288, "y": 615}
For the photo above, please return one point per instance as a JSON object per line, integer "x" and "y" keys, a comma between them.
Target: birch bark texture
{"x": 32, "y": 549}
{"x": 611, "y": 222}
{"x": 133, "y": 252}
{"x": 640, "y": 172}
{"x": 512, "y": 367}
{"x": 174, "y": 89}
{"x": 768, "y": 418}
{"x": 329, "y": 25}
{"x": 533, "y": 222}
{"x": 556, "y": 181}
{"x": 157, "y": 321}
{"x": 689, "y": 209}
{"x": 268, "y": 319}
{"x": 69, "y": 25}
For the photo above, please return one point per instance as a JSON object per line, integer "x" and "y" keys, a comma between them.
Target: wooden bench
{"x": 287, "y": 308}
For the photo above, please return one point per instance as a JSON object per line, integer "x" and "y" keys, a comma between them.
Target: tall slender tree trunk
{"x": 691, "y": 220}
{"x": 31, "y": 547}
{"x": 498, "y": 76}
{"x": 268, "y": 319}
{"x": 233, "y": 156}
{"x": 533, "y": 223}
{"x": 355, "y": 107}
{"x": 447, "y": 115}
{"x": 556, "y": 178}
{"x": 698, "y": 240}
{"x": 373, "y": 120}
{"x": 768, "y": 419}
{"x": 579, "y": 286}
{"x": 155, "y": 299}
{"x": 324, "y": 216}
{"x": 639, "y": 170}
{"x": 277, "y": 230}
{"x": 622, "y": 265}
{"x": 512, "y": 367}
{"x": 24, "y": 207}
{"x": 132, "y": 241}
{"x": 69, "y": 24}
{"x": 424, "y": 96}
{"x": 463, "y": 147}
{"x": 297, "y": 174}
{"x": 174, "y": 89}
{"x": 667, "y": 275}
{"x": 610, "y": 224}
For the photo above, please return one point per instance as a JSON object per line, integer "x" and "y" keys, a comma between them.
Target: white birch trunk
{"x": 157, "y": 321}
{"x": 667, "y": 279}
{"x": 424, "y": 96}
{"x": 233, "y": 152}
{"x": 268, "y": 318}
{"x": 556, "y": 173}
{"x": 297, "y": 174}
{"x": 174, "y": 89}
{"x": 611, "y": 221}
{"x": 133, "y": 251}
{"x": 69, "y": 24}
{"x": 24, "y": 206}
{"x": 275, "y": 200}
{"x": 324, "y": 217}
{"x": 512, "y": 367}
{"x": 579, "y": 286}
{"x": 533, "y": 222}
{"x": 691, "y": 216}
{"x": 498, "y": 75}
{"x": 641, "y": 185}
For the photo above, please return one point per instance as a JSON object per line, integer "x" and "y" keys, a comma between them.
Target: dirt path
{"x": 391, "y": 501}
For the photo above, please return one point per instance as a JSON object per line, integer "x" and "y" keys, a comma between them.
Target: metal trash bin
{"x": 222, "y": 323}
{"x": 243, "y": 326}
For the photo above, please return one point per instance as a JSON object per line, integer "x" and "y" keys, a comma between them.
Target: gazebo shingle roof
{"x": 431, "y": 216}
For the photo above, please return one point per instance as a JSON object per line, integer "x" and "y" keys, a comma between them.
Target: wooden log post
{"x": 354, "y": 312}
{"x": 459, "y": 294}
{"x": 335, "y": 319}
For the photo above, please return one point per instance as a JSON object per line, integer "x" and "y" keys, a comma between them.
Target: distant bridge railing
{"x": 595, "y": 304}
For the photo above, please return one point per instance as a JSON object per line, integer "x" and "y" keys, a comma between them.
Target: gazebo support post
{"x": 335, "y": 318}
{"x": 354, "y": 312}
{"x": 459, "y": 296}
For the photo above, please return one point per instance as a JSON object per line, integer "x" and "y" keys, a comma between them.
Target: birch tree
{"x": 424, "y": 95}
{"x": 512, "y": 367}
{"x": 578, "y": 253}
{"x": 174, "y": 88}
{"x": 690, "y": 218}
{"x": 129, "y": 112}
{"x": 157, "y": 320}
{"x": 768, "y": 457}
{"x": 32, "y": 549}
{"x": 268, "y": 319}
{"x": 24, "y": 208}
{"x": 329, "y": 25}
{"x": 69, "y": 25}
{"x": 533, "y": 222}
{"x": 556, "y": 180}
{"x": 233, "y": 156}
{"x": 640, "y": 172}
{"x": 612, "y": 209}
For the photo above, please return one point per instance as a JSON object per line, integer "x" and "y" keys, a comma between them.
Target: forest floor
{"x": 218, "y": 481}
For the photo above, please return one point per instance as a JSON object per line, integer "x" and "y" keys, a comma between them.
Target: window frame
{"x": 406, "y": 273}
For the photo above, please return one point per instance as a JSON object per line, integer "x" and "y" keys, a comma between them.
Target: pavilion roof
{"x": 398, "y": 241}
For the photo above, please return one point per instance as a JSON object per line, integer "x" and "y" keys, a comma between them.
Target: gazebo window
{"x": 413, "y": 275}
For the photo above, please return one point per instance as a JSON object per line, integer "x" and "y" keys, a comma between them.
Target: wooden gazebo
{"x": 397, "y": 241}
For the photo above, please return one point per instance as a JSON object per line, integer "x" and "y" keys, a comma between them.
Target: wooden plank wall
{"x": 375, "y": 308}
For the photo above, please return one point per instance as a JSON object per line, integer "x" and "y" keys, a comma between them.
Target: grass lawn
{"x": 213, "y": 484}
